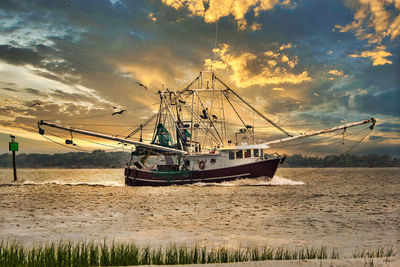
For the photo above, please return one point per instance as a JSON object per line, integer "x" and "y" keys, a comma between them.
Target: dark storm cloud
{"x": 19, "y": 56}
{"x": 74, "y": 97}
{"x": 386, "y": 102}
{"x": 389, "y": 127}
{"x": 9, "y": 89}
{"x": 35, "y": 92}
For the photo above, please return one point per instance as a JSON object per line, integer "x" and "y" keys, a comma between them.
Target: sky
{"x": 304, "y": 64}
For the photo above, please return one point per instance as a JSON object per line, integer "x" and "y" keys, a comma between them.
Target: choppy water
{"x": 342, "y": 208}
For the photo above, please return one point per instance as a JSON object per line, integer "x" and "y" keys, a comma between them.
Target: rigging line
{"x": 98, "y": 143}
{"x": 340, "y": 141}
{"x": 49, "y": 139}
{"x": 234, "y": 109}
{"x": 256, "y": 111}
{"x": 141, "y": 125}
{"x": 312, "y": 141}
{"x": 211, "y": 122}
{"x": 347, "y": 151}
{"x": 205, "y": 128}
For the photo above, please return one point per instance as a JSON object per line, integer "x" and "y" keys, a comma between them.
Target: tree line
{"x": 102, "y": 159}
{"x": 342, "y": 160}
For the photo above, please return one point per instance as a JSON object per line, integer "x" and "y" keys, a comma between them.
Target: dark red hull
{"x": 137, "y": 177}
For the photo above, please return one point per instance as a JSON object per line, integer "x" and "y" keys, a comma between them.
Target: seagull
{"x": 35, "y": 104}
{"x": 144, "y": 86}
{"x": 118, "y": 112}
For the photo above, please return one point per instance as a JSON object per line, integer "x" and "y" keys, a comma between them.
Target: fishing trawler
{"x": 192, "y": 141}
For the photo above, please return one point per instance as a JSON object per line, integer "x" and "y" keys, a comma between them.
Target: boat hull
{"x": 137, "y": 177}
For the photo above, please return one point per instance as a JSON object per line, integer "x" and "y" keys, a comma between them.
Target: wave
{"x": 104, "y": 183}
{"x": 260, "y": 181}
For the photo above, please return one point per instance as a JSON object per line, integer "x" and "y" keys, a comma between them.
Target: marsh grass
{"x": 123, "y": 254}
{"x": 379, "y": 252}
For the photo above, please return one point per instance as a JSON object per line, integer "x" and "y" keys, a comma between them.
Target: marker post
{"x": 13, "y": 146}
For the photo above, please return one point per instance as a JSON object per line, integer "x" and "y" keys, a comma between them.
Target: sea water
{"x": 343, "y": 208}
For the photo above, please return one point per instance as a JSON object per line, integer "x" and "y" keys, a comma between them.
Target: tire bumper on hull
{"x": 136, "y": 177}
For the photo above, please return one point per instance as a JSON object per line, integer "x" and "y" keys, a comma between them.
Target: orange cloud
{"x": 378, "y": 56}
{"x": 248, "y": 69}
{"x": 152, "y": 16}
{"x": 217, "y": 9}
{"x": 375, "y": 21}
{"x": 375, "y": 15}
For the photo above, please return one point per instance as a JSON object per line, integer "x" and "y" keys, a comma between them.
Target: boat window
{"x": 239, "y": 154}
{"x": 262, "y": 152}
{"x": 256, "y": 153}
{"x": 231, "y": 155}
{"x": 247, "y": 154}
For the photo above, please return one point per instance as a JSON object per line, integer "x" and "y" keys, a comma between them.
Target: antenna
{"x": 216, "y": 34}
{"x": 215, "y": 44}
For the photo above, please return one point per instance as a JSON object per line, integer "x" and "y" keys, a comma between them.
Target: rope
{"x": 49, "y": 139}
{"x": 346, "y": 152}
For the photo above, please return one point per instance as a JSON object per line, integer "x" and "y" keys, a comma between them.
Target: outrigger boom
{"x": 323, "y": 131}
{"x": 110, "y": 137}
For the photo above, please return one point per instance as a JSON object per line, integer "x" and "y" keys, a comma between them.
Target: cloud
{"x": 336, "y": 72}
{"x": 376, "y": 138}
{"x": 213, "y": 10}
{"x": 19, "y": 56}
{"x": 9, "y": 89}
{"x": 152, "y": 16}
{"x": 255, "y": 26}
{"x": 248, "y": 69}
{"x": 374, "y": 20}
{"x": 389, "y": 127}
{"x": 386, "y": 102}
{"x": 378, "y": 56}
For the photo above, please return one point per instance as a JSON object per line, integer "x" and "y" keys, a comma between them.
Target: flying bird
{"x": 144, "y": 86}
{"x": 118, "y": 112}
{"x": 35, "y": 104}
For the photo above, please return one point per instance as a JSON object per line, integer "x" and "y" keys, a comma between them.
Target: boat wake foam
{"x": 260, "y": 181}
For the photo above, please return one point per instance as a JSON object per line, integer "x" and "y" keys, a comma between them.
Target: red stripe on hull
{"x": 136, "y": 177}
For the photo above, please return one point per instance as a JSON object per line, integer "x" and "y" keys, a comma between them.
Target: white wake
{"x": 260, "y": 181}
